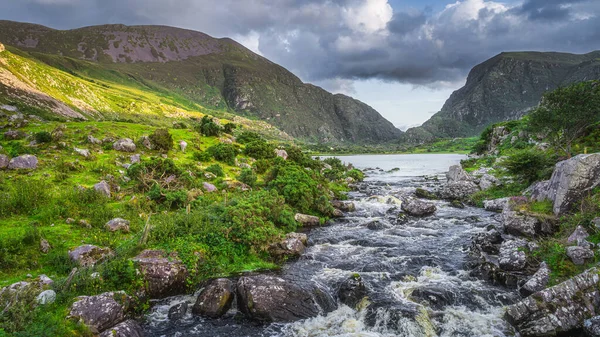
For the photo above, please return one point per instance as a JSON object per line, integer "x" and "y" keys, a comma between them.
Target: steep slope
{"x": 214, "y": 73}
{"x": 504, "y": 88}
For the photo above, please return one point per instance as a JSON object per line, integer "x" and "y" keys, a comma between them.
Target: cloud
{"x": 336, "y": 42}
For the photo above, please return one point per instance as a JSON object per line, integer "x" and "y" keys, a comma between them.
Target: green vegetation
{"x": 162, "y": 140}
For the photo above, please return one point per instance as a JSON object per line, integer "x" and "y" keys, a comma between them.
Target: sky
{"x": 402, "y": 57}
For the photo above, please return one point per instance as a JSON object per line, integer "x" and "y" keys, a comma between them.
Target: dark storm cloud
{"x": 338, "y": 40}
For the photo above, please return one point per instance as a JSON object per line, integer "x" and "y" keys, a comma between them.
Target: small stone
{"x": 183, "y": 145}
{"x": 578, "y": 234}
{"x": 579, "y": 254}
{"x": 178, "y": 311}
{"x": 145, "y": 141}
{"x": 307, "y": 220}
{"x": 117, "y": 224}
{"x": 596, "y": 223}
{"x": 103, "y": 188}
{"x": 4, "y": 160}
{"x": 83, "y": 152}
{"x": 85, "y": 224}
{"x": 45, "y": 280}
{"x": 537, "y": 282}
{"x": 124, "y": 145}
{"x": 70, "y": 220}
{"x": 92, "y": 140}
{"x": 512, "y": 256}
{"x": 209, "y": 187}
{"x": 44, "y": 246}
{"x": 46, "y": 297}
{"x": 136, "y": 158}
{"x": 417, "y": 207}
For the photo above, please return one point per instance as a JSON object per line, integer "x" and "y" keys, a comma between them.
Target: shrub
{"x": 229, "y": 127}
{"x": 261, "y": 166}
{"x": 259, "y": 149}
{"x": 248, "y": 137}
{"x": 202, "y": 156}
{"x": 162, "y": 140}
{"x": 156, "y": 170}
{"x": 208, "y": 127}
{"x": 223, "y": 152}
{"x": 43, "y": 137}
{"x": 216, "y": 169}
{"x": 248, "y": 177}
{"x": 529, "y": 165}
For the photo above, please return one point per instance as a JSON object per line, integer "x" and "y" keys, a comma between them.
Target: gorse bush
{"x": 202, "y": 156}
{"x": 248, "y": 137}
{"x": 43, "y": 137}
{"x": 154, "y": 171}
{"x": 208, "y": 127}
{"x": 216, "y": 169}
{"x": 223, "y": 152}
{"x": 162, "y": 140}
{"x": 248, "y": 177}
{"x": 529, "y": 165}
{"x": 229, "y": 127}
{"x": 260, "y": 149}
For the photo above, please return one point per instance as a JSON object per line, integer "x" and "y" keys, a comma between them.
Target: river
{"x": 415, "y": 265}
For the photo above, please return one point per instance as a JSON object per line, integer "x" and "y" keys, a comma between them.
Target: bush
{"x": 248, "y": 177}
{"x": 248, "y": 137}
{"x": 162, "y": 140}
{"x": 261, "y": 166}
{"x": 223, "y": 152}
{"x": 156, "y": 170}
{"x": 208, "y": 127}
{"x": 259, "y": 149}
{"x": 229, "y": 127}
{"x": 216, "y": 169}
{"x": 43, "y": 137}
{"x": 529, "y": 165}
{"x": 202, "y": 156}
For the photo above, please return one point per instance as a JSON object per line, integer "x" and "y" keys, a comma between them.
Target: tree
{"x": 566, "y": 113}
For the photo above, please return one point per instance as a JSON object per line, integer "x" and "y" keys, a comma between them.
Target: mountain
{"x": 503, "y": 88}
{"x": 200, "y": 71}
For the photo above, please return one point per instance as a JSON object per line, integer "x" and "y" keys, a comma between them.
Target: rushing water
{"x": 408, "y": 266}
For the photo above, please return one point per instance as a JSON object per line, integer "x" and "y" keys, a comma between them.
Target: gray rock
{"x": 145, "y": 141}
{"x": 591, "y": 326}
{"x": 82, "y": 152}
{"x": 457, "y": 173}
{"x": 498, "y": 135}
{"x": 418, "y": 207}
{"x": 13, "y": 135}
{"x": 572, "y": 179}
{"x": 183, "y": 145}
{"x": 560, "y": 309}
{"x": 44, "y": 246}
{"x": 488, "y": 181}
{"x": 136, "y": 158}
{"x": 92, "y": 140}
{"x": 344, "y": 206}
{"x": 103, "y": 188}
{"x": 46, "y": 297}
{"x": 459, "y": 190}
{"x": 129, "y": 328}
{"x": 209, "y": 187}
{"x": 89, "y": 255}
{"x": 596, "y": 223}
{"x": 267, "y": 298}
{"x": 307, "y": 220}
{"x": 352, "y": 291}
{"x": 487, "y": 242}
{"x": 578, "y": 234}
{"x": 496, "y": 205}
{"x": 537, "y": 282}
{"x": 291, "y": 246}
{"x": 520, "y": 225}
{"x": 538, "y": 191}
{"x": 177, "y": 311}
{"x": 579, "y": 254}
{"x": 337, "y": 213}
{"x": 124, "y": 145}
{"x": 164, "y": 275}
{"x": 215, "y": 299}
{"x": 24, "y": 162}
{"x": 102, "y": 311}
{"x": 4, "y": 160}
{"x": 117, "y": 224}
{"x": 281, "y": 153}
{"x": 512, "y": 255}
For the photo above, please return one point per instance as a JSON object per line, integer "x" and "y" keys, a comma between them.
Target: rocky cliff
{"x": 504, "y": 88}
{"x": 215, "y": 73}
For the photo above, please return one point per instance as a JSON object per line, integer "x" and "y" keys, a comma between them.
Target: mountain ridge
{"x": 218, "y": 74}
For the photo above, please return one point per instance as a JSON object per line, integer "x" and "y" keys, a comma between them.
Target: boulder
{"x": 337, "y": 213}
{"x": 538, "y": 191}
{"x": 520, "y": 225}
{"x": 183, "y": 145}
{"x": 215, "y": 299}
{"x": 281, "y": 153}
{"x": 292, "y": 246}
{"x": 129, "y": 328}
{"x": 100, "y": 312}
{"x": 488, "y": 181}
{"x": 165, "y": 275}
{"x": 418, "y": 207}
{"x": 457, "y": 173}
{"x": 103, "y": 188}
{"x": 124, "y": 145}
{"x": 579, "y": 254}
{"x": 46, "y": 297}
{"x": 425, "y": 194}
{"x": 177, "y": 311}
{"x": 512, "y": 255}
{"x": 487, "y": 242}
{"x": 135, "y": 158}
{"x": 496, "y": 205}
{"x": 268, "y": 298}
{"x": 209, "y": 187}
{"x": 4, "y": 160}
{"x": 578, "y": 234}
{"x": 117, "y": 224}
{"x": 352, "y": 291}
{"x": 93, "y": 140}
{"x": 145, "y": 141}
{"x": 24, "y": 162}
{"x": 14, "y": 135}
{"x": 344, "y": 206}
{"x": 459, "y": 190}
{"x": 591, "y": 326}
{"x": 560, "y": 309}
{"x": 307, "y": 220}
{"x": 82, "y": 152}
{"x": 572, "y": 179}
{"x": 89, "y": 255}
{"x": 537, "y": 282}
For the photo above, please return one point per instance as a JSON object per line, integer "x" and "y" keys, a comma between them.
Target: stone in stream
{"x": 344, "y": 206}
{"x": 459, "y": 190}
{"x": 537, "y": 282}
{"x": 352, "y": 291}
{"x": 215, "y": 299}
{"x": 293, "y": 245}
{"x": 266, "y": 298}
{"x": 579, "y": 255}
{"x": 425, "y": 194}
{"x": 558, "y": 310}
{"x": 512, "y": 255}
{"x": 129, "y": 328}
{"x": 100, "y": 312}
{"x": 177, "y": 311}
{"x": 417, "y": 207}
{"x": 435, "y": 297}
{"x": 457, "y": 173}
{"x": 307, "y": 220}
{"x": 165, "y": 275}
